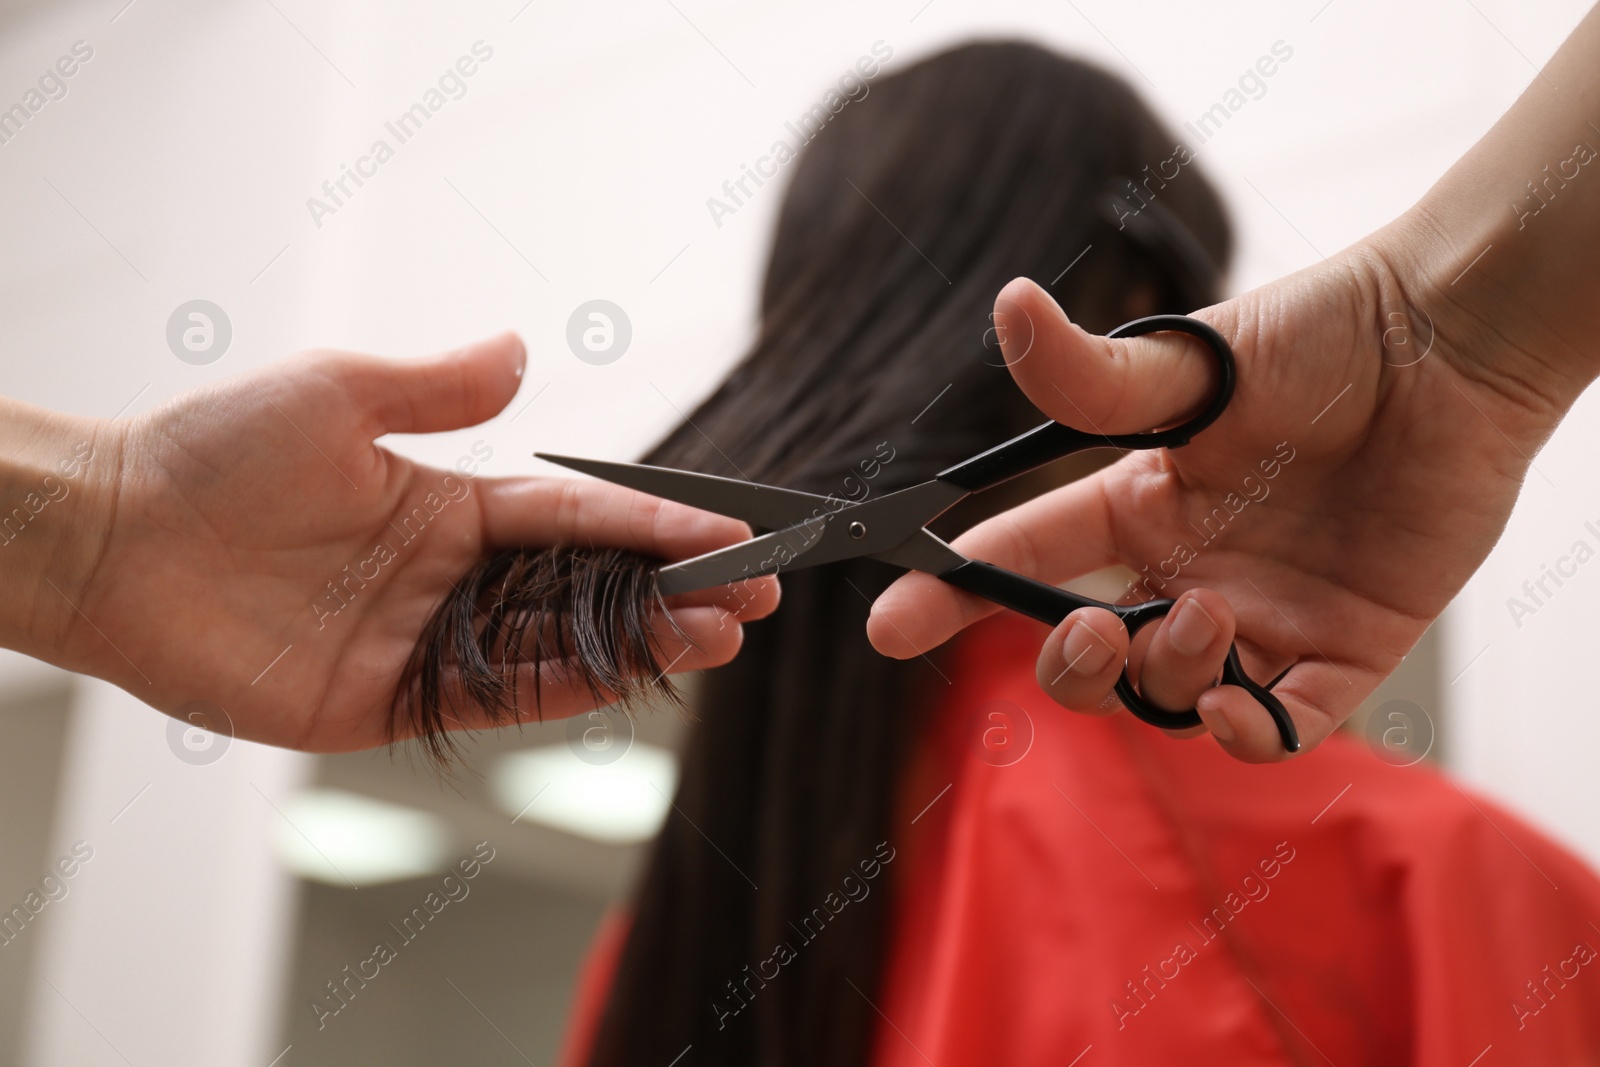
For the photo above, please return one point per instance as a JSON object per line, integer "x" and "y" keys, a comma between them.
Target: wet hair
{"x": 593, "y": 615}
{"x": 870, "y": 372}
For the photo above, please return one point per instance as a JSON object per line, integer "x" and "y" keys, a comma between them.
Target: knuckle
{"x": 568, "y": 508}
{"x": 1118, "y": 397}
{"x": 467, "y": 386}
{"x": 1016, "y": 545}
{"x": 649, "y": 522}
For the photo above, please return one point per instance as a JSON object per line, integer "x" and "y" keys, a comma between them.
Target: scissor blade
{"x": 770, "y": 553}
{"x": 887, "y": 528}
{"x": 923, "y": 551}
{"x": 766, "y": 506}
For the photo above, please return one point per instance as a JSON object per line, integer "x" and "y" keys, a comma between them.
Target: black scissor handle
{"x": 1136, "y": 617}
{"x": 1052, "y": 440}
{"x": 1050, "y": 604}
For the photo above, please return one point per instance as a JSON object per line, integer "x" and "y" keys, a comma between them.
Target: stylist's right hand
{"x": 1411, "y": 378}
{"x": 1323, "y": 521}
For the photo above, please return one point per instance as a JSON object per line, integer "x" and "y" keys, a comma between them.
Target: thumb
{"x": 1098, "y": 384}
{"x": 448, "y": 391}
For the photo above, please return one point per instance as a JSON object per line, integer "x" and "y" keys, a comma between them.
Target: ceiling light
{"x": 346, "y": 839}
{"x": 619, "y": 803}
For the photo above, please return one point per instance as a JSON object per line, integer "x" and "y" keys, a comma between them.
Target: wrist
{"x": 58, "y": 481}
{"x": 1501, "y": 248}
{"x": 1469, "y": 289}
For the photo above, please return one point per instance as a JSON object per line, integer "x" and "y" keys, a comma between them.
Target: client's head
{"x": 904, "y": 216}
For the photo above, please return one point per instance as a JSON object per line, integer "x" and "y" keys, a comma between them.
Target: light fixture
{"x": 349, "y": 840}
{"x": 620, "y": 802}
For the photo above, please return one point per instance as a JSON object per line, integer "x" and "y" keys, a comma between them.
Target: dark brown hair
{"x": 590, "y": 614}
{"x": 904, "y": 217}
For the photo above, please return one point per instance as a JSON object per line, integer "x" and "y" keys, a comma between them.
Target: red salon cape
{"x": 1102, "y": 894}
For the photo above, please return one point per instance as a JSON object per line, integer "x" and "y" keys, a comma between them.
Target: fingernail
{"x": 1192, "y": 630}
{"x": 1221, "y": 728}
{"x": 1086, "y": 652}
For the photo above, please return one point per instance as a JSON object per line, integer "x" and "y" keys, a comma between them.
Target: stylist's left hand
{"x": 231, "y": 516}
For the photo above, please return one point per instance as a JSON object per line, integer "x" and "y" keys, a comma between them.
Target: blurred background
{"x": 227, "y": 886}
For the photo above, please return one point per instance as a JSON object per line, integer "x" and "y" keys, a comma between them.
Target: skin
{"x": 1406, "y": 465}
{"x": 189, "y": 550}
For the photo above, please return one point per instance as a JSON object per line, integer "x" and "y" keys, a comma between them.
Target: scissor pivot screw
{"x": 858, "y": 530}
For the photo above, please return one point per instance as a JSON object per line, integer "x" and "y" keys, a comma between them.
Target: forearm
{"x": 57, "y": 474}
{"x": 1506, "y": 246}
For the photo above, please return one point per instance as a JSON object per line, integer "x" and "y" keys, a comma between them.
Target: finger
{"x": 447, "y": 391}
{"x": 549, "y": 511}
{"x": 1187, "y": 650}
{"x": 1094, "y": 383}
{"x": 746, "y": 600}
{"x": 1082, "y": 659}
{"x": 1314, "y": 692}
{"x": 1060, "y": 535}
{"x": 712, "y": 640}
{"x": 918, "y": 612}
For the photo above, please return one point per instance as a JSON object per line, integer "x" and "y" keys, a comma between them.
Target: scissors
{"x": 808, "y": 529}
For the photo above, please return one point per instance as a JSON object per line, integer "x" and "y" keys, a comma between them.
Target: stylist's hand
{"x": 1412, "y": 378}
{"x": 232, "y": 514}
{"x": 1323, "y": 521}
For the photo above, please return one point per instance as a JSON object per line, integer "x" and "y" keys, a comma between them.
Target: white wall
{"x": 584, "y": 151}
{"x": 1523, "y": 696}
{"x": 172, "y": 942}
